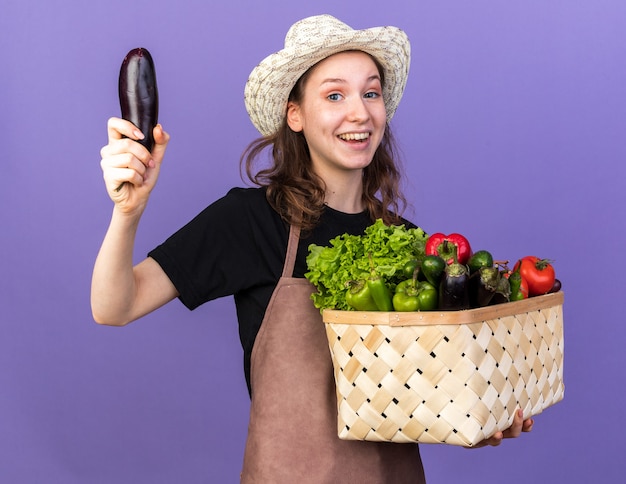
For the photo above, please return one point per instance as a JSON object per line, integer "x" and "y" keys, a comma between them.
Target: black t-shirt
{"x": 237, "y": 246}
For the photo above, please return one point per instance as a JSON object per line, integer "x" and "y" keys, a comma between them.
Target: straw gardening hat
{"x": 308, "y": 42}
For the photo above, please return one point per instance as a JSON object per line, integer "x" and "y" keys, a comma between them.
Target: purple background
{"x": 513, "y": 131}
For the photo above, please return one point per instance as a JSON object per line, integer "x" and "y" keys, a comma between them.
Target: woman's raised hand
{"x": 130, "y": 171}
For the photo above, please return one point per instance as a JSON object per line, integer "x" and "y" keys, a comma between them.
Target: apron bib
{"x": 292, "y": 434}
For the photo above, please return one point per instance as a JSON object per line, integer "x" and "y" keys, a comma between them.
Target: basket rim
{"x": 426, "y": 318}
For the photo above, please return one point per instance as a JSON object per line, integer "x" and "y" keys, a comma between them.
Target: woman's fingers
{"x": 126, "y": 150}
{"x": 118, "y": 128}
{"x": 161, "y": 139}
{"x": 528, "y": 425}
{"x": 160, "y": 136}
{"x": 130, "y": 171}
{"x": 124, "y": 160}
{"x": 124, "y": 165}
{"x": 518, "y": 426}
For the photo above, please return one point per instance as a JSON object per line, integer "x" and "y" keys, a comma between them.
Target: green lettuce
{"x": 347, "y": 258}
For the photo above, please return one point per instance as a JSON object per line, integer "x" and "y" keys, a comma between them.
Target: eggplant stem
{"x": 501, "y": 263}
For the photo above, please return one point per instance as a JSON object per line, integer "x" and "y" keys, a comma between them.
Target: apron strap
{"x": 292, "y": 250}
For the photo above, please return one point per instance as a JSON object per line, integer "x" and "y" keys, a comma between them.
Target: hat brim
{"x": 271, "y": 81}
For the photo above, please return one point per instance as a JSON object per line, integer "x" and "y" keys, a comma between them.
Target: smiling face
{"x": 341, "y": 114}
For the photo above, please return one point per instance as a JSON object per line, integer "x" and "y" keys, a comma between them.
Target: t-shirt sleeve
{"x": 216, "y": 254}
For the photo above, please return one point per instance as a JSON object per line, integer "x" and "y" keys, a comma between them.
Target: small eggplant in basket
{"x": 483, "y": 286}
{"x": 556, "y": 287}
{"x": 454, "y": 287}
{"x": 503, "y": 291}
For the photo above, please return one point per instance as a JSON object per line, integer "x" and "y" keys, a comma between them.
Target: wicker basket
{"x": 454, "y": 377}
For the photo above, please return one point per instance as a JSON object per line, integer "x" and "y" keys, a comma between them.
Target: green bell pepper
{"x": 359, "y": 296}
{"x": 428, "y": 296}
{"x": 406, "y": 300}
{"x": 411, "y": 295}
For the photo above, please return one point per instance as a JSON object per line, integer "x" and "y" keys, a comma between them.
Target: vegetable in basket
{"x": 446, "y": 245}
{"x": 359, "y": 296}
{"x": 538, "y": 273}
{"x": 347, "y": 259}
{"x": 432, "y": 268}
{"x": 503, "y": 291}
{"x": 378, "y": 289}
{"x": 453, "y": 289}
{"x": 556, "y": 287}
{"x": 409, "y": 268}
{"x": 482, "y": 258}
{"x": 414, "y": 295}
{"x": 519, "y": 286}
{"x": 483, "y": 285}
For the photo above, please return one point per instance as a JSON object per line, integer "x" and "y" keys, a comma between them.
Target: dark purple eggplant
{"x": 454, "y": 288}
{"x": 503, "y": 292}
{"x": 556, "y": 287}
{"x": 138, "y": 93}
{"x": 483, "y": 286}
{"x": 139, "y": 96}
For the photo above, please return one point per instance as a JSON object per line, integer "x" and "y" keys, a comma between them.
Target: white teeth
{"x": 354, "y": 136}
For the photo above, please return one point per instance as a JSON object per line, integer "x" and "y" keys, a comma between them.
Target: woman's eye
{"x": 334, "y": 97}
{"x": 372, "y": 95}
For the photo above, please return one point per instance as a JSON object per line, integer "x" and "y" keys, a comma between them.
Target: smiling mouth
{"x": 354, "y": 136}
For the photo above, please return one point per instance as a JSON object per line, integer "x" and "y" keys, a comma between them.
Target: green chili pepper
{"x": 519, "y": 287}
{"x": 379, "y": 290}
{"x": 359, "y": 296}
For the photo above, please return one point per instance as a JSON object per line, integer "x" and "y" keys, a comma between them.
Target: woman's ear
{"x": 294, "y": 117}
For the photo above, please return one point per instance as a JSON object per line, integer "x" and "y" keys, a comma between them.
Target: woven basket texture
{"x": 446, "y": 383}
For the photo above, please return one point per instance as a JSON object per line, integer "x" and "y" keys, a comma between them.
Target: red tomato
{"x": 538, "y": 273}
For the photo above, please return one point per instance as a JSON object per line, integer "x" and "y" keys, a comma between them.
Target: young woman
{"x": 322, "y": 104}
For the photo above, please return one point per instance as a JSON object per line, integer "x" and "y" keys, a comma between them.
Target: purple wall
{"x": 513, "y": 126}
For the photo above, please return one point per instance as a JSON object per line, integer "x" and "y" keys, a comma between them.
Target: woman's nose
{"x": 358, "y": 111}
